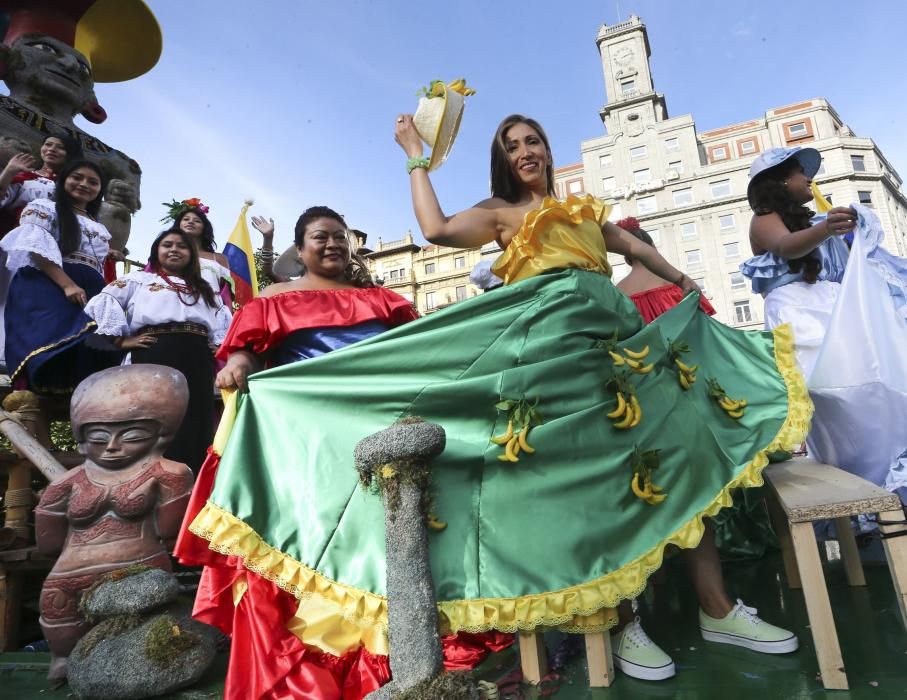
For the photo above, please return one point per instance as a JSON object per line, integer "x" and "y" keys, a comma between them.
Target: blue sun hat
{"x": 808, "y": 158}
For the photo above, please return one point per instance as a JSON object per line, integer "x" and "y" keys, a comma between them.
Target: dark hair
{"x": 631, "y": 226}
{"x": 357, "y": 270}
{"x": 192, "y": 274}
{"x": 71, "y": 145}
{"x": 206, "y": 242}
{"x": 504, "y": 183}
{"x": 68, "y": 223}
{"x": 767, "y": 193}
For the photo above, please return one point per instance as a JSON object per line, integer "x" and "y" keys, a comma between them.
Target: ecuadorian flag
{"x": 242, "y": 259}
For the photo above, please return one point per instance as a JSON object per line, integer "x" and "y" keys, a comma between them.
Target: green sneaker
{"x": 743, "y": 628}
{"x": 638, "y": 656}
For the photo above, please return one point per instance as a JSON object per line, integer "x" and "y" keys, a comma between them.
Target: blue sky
{"x": 293, "y": 102}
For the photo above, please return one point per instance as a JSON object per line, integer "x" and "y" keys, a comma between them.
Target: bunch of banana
{"x": 686, "y": 374}
{"x": 632, "y": 359}
{"x": 459, "y": 85}
{"x": 627, "y": 414}
{"x": 521, "y": 415}
{"x": 648, "y": 492}
{"x": 643, "y": 464}
{"x": 733, "y": 407}
{"x": 431, "y": 520}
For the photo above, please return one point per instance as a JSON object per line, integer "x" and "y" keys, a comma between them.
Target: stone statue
{"x": 123, "y": 504}
{"x": 51, "y": 81}
{"x": 395, "y": 461}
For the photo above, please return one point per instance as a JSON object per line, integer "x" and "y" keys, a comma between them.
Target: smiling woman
{"x": 169, "y": 315}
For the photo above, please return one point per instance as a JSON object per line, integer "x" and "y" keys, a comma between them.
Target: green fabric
{"x": 559, "y": 517}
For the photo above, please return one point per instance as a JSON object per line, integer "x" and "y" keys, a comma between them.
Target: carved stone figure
{"x": 122, "y": 504}
{"x": 51, "y": 80}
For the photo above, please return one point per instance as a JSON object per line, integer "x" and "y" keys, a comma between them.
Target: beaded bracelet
{"x": 413, "y": 163}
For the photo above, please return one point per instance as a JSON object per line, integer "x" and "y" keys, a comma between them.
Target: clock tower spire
{"x": 624, "y": 49}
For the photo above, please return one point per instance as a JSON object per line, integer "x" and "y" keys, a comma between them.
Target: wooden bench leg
{"x": 599, "y": 660}
{"x": 818, "y": 607}
{"x": 533, "y": 658}
{"x": 896, "y": 552}
{"x": 853, "y": 567}
{"x": 782, "y": 529}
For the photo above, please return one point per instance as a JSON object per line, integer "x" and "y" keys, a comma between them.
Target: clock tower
{"x": 632, "y": 103}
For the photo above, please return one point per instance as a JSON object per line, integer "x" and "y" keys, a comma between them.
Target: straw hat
{"x": 437, "y": 118}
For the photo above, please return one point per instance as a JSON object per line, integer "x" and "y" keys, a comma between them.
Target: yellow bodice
{"x": 557, "y": 235}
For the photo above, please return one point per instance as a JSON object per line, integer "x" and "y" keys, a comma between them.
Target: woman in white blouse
{"x": 56, "y": 255}
{"x": 169, "y": 315}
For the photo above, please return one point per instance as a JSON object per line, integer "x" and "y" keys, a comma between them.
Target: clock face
{"x": 623, "y": 56}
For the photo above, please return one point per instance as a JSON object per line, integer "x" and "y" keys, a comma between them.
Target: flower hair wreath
{"x": 176, "y": 209}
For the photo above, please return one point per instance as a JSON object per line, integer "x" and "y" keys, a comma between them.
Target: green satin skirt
{"x": 545, "y": 541}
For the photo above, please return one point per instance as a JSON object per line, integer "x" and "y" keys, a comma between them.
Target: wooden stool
{"x": 802, "y": 491}
{"x": 534, "y": 660}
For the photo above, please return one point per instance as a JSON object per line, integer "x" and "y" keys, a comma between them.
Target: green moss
{"x": 109, "y": 628}
{"x": 166, "y": 641}
{"x": 116, "y": 575}
{"x": 450, "y": 686}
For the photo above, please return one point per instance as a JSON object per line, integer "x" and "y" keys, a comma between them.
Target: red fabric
{"x": 465, "y": 650}
{"x": 191, "y": 550}
{"x": 264, "y": 322}
{"x": 654, "y": 302}
{"x": 110, "y": 270}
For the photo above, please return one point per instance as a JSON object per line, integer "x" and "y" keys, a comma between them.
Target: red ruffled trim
{"x": 269, "y": 662}
{"x": 26, "y": 175}
{"x": 654, "y": 302}
{"x": 264, "y": 322}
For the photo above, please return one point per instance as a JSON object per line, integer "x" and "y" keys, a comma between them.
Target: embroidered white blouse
{"x": 18, "y": 194}
{"x": 213, "y": 272}
{"x": 38, "y": 234}
{"x": 141, "y": 299}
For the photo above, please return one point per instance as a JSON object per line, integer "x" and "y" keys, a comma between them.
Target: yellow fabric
{"x": 227, "y": 419}
{"x": 557, "y": 235}
{"x": 362, "y": 615}
{"x": 822, "y": 204}
{"x": 240, "y": 586}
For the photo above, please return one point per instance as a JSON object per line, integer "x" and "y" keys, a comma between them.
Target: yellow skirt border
{"x": 583, "y": 608}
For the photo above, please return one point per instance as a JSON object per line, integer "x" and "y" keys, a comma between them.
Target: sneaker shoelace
{"x": 636, "y": 635}
{"x": 746, "y": 613}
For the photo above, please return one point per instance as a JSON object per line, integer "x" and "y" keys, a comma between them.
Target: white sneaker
{"x": 638, "y": 656}
{"x": 743, "y": 628}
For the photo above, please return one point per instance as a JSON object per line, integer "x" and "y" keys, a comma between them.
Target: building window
{"x": 827, "y": 196}
{"x": 676, "y": 165}
{"x": 742, "y": 312}
{"x": 459, "y": 262}
{"x": 865, "y": 197}
{"x": 616, "y": 212}
{"x": 461, "y": 293}
{"x": 628, "y": 85}
{"x": 694, "y": 257}
{"x": 430, "y": 302}
{"x": 700, "y": 282}
{"x": 738, "y": 281}
{"x": 605, "y": 161}
{"x": 798, "y": 130}
{"x": 720, "y": 188}
{"x": 429, "y": 268}
{"x": 607, "y": 184}
{"x": 688, "y": 229}
{"x": 574, "y": 186}
{"x": 646, "y": 205}
{"x": 683, "y": 197}
{"x": 672, "y": 144}
{"x": 726, "y": 222}
{"x": 655, "y": 235}
{"x": 393, "y": 274}
{"x": 638, "y": 152}
{"x": 858, "y": 163}
{"x": 732, "y": 250}
{"x": 719, "y": 153}
{"x": 747, "y": 147}
{"x": 821, "y": 170}
{"x": 641, "y": 177}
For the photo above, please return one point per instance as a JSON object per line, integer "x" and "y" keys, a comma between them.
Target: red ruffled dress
{"x": 654, "y": 302}
{"x": 267, "y": 660}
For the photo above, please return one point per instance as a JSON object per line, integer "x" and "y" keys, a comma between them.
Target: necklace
{"x": 181, "y": 288}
